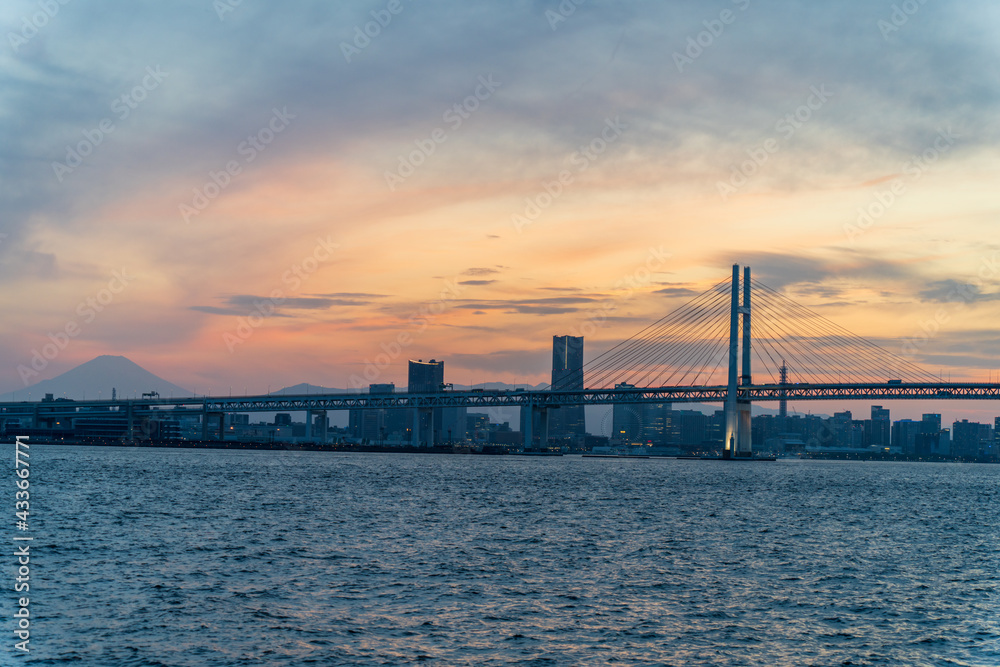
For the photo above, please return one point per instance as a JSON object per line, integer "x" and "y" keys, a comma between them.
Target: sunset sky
{"x": 284, "y": 197}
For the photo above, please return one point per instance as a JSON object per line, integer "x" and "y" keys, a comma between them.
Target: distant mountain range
{"x": 97, "y": 378}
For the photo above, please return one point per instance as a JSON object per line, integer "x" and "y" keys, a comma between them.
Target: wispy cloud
{"x": 241, "y": 304}
{"x": 676, "y": 290}
{"x": 955, "y": 291}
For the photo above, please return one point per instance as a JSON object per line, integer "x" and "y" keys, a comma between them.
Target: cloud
{"x": 241, "y": 304}
{"x": 543, "y": 310}
{"x": 954, "y": 291}
{"x": 480, "y": 271}
{"x": 352, "y": 295}
{"x": 64, "y": 81}
{"x": 216, "y": 310}
{"x": 501, "y": 362}
{"x": 980, "y": 347}
{"x": 812, "y": 273}
{"x": 295, "y": 303}
{"x": 559, "y": 305}
{"x": 476, "y": 282}
{"x": 29, "y": 264}
{"x": 820, "y": 291}
{"x": 676, "y": 291}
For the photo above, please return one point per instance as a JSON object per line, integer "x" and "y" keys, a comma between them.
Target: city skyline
{"x": 575, "y": 173}
{"x": 688, "y": 429}
{"x": 131, "y": 380}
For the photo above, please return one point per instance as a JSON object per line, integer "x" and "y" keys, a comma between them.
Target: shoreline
{"x": 488, "y": 451}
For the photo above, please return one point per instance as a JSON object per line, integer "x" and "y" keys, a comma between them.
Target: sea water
{"x": 168, "y": 557}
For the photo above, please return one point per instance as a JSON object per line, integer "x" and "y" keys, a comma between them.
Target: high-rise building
{"x": 692, "y": 429}
{"x": 425, "y": 376}
{"x": 842, "y": 426}
{"x": 440, "y": 425}
{"x": 970, "y": 439}
{"x": 567, "y": 421}
{"x": 944, "y": 442}
{"x": 935, "y": 440}
{"x": 656, "y": 423}
{"x": 382, "y": 424}
{"x": 626, "y": 420}
{"x": 881, "y": 431}
{"x": 477, "y": 426}
{"x": 904, "y": 435}
{"x": 931, "y": 423}
{"x": 993, "y": 453}
{"x": 454, "y": 426}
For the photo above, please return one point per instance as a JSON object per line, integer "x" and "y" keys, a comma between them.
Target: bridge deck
{"x": 498, "y": 398}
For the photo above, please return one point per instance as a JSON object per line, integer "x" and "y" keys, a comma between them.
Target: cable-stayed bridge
{"x": 709, "y": 351}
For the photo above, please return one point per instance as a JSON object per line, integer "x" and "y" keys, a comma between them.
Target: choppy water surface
{"x": 179, "y": 557}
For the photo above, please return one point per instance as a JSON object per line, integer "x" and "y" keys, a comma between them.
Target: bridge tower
{"x": 737, "y": 438}
{"x": 743, "y": 443}
{"x": 783, "y": 404}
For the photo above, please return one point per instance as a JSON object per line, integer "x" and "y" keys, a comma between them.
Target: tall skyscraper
{"x": 567, "y": 375}
{"x": 441, "y": 425}
{"x": 656, "y": 423}
{"x": 567, "y": 362}
{"x": 424, "y": 376}
{"x": 881, "y": 433}
{"x": 904, "y": 435}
